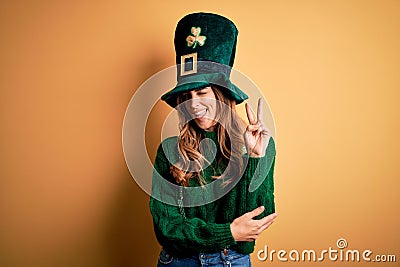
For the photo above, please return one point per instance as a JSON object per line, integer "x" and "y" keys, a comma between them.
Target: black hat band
{"x": 191, "y": 65}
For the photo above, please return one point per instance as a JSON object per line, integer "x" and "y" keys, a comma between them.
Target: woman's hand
{"x": 256, "y": 136}
{"x": 244, "y": 228}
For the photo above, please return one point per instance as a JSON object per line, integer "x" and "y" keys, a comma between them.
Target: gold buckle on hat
{"x": 194, "y": 62}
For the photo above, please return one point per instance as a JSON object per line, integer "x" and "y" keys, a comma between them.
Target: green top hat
{"x": 205, "y": 46}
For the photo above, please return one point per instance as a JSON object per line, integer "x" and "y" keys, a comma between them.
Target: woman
{"x": 213, "y": 184}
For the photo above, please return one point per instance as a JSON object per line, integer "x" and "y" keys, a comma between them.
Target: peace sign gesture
{"x": 256, "y": 136}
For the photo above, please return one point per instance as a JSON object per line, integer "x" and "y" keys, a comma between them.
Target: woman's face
{"x": 201, "y": 104}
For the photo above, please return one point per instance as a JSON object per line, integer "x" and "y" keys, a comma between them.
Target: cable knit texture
{"x": 206, "y": 228}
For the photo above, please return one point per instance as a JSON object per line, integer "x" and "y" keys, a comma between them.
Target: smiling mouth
{"x": 200, "y": 114}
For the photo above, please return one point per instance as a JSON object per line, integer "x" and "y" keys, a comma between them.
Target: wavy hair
{"x": 230, "y": 142}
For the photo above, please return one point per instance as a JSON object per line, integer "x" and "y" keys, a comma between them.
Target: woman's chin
{"x": 205, "y": 124}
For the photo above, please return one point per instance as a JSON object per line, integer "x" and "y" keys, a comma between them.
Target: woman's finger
{"x": 253, "y": 128}
{"x": 268, "y": 218}
{"x": 260, "y": 130}
{"x": 260, "y": 110}
{"x": 266, "y": 132}
{"x": 255, "y": 212}
{"x": 265, "y": 226}
{"x": 250, "y": 115}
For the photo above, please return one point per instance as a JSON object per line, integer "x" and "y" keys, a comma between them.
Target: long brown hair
{"x": 230, "y": 141}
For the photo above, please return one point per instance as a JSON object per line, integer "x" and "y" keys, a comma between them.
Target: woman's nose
{"x": 194, "y": 101}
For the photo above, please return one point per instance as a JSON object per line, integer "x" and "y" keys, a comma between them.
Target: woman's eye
{"x": 201, "y": 92}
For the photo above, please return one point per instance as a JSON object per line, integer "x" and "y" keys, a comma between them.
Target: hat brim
{"x": 197, "y": 81}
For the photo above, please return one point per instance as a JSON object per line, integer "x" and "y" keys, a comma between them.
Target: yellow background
{"x": 329, "y": 70}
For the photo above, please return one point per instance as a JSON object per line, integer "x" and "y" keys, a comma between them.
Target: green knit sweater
{"x": 206, "y": 228}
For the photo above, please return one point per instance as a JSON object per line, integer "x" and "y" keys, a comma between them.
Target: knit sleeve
{"x": 259, "y": 177}
{"x": 172, "y": 229}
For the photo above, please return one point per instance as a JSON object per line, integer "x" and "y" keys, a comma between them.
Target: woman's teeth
{"x": 200, "y": 113}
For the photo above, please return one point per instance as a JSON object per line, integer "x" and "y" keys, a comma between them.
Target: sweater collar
{"x": 212, "y": 135}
